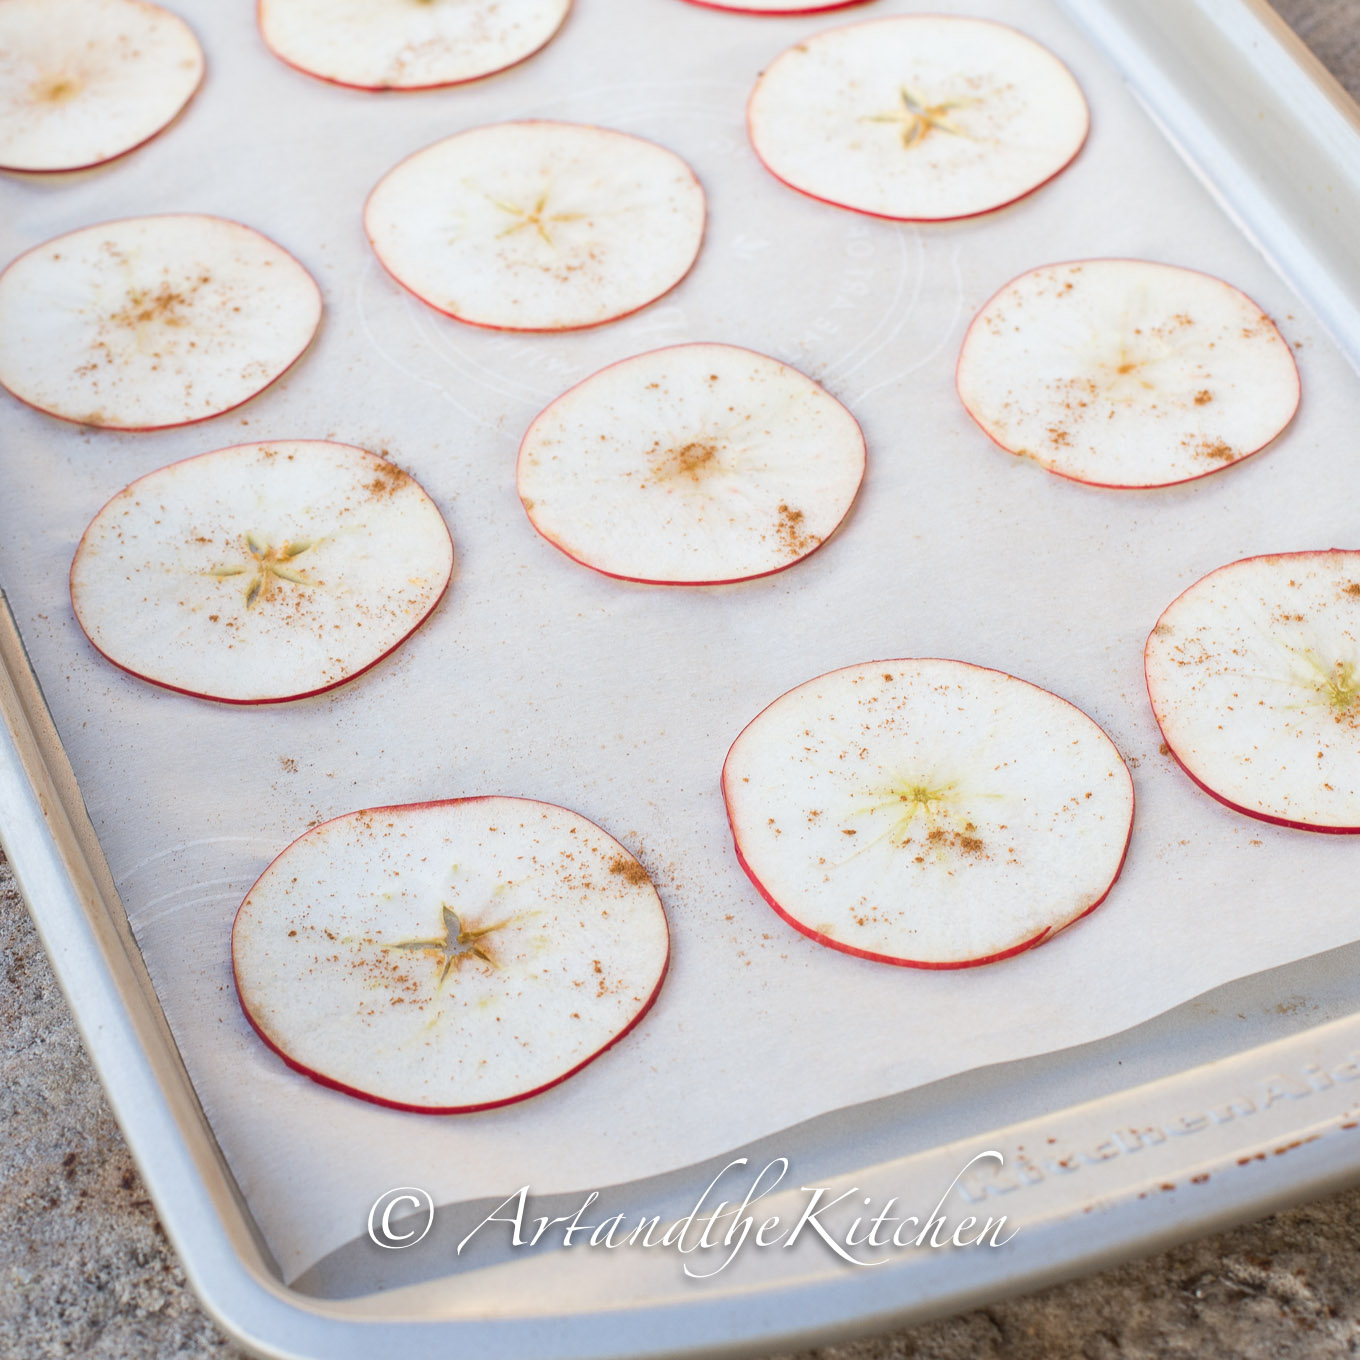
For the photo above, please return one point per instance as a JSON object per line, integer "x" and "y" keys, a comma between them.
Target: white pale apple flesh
{"x": 84, "y": 81}
{"x": 449, "y": 957}
{"x": 538, "y": 226}
{"x": 150, "y": 322}
{"x": 928, "y": 813}
{"x": 777, "y": 7}
{"x": 407, "y": 44}
{"x": 919, "y": 118}
{"x": 1124, "y": 373}
{"x": 262, "y": 572}
{"x": 693, "y": 465}
{"x": 1254, "y": 677}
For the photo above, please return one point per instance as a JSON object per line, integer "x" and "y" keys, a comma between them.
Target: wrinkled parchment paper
{"x": 538, "y": 677}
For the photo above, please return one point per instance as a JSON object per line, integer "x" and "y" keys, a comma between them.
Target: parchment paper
{"x": 541, "y": 678}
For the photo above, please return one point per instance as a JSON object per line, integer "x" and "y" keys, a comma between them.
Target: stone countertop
{"x": 85, "y": 1269}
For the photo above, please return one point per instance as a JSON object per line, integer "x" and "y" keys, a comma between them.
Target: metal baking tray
{"x": 1224, "y": 1108}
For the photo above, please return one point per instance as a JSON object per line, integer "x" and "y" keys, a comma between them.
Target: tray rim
{"x": 62, "y": 875}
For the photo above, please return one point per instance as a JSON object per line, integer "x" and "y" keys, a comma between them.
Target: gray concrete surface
{"x": 85, "y": 1269}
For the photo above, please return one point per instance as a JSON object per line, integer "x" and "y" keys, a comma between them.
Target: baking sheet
{"x": 539, "y": 678}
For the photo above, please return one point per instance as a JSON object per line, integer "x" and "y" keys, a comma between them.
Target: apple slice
{"x": 261, "y": 573}
{"x": 932, "y": 814}
{"x": 449, "y": 957}
{"x": 152, "y": 321}
{"x": 1254, "y": 677}
{"x": 921, "y": 118}
{"x": 1123, "y": 373}
{"x": 777, "y": 7}
{"x": 85, "y": 81}
{"x": 538, "y": 226}
{"x": 407, "y": 44}
{"x": 694, "y": 465}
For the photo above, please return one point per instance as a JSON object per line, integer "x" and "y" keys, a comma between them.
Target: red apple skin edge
{"x": 248, "y": 703}
{"x": 736, "y": 580}
{"x": 540, "y": 330}
{"x": 1120, "y": 486}
{"x": 446, "y": 1109}
{"x": 197, "y": 420}
{"x": 1171, "y": 750}
{"x": 177, "y": 425}
{"x": 825, "y": 8}
{"x": 117, "y": 156}
{"x": 887, "y": 217}
{"x": 821, "y": 939}
{"x": 406, "y": 89}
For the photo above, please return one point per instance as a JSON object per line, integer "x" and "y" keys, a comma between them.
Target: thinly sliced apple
{"x": 919, "y": 118}
{"x": 777, "y": 7}
{"x": 263, "y": 572}
{"x": 1123, "y": 373}
{"x": 930, "y": 813}
{"x": 538, "y": 226}
{"x": 152, "y": 321}
{"x": 85, "y": 81}
{"x": 449, "y": 957}
{"x": 407, "y": 44}
{"x": 693, "y": 465}
{"x": 1254, "y": 677}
